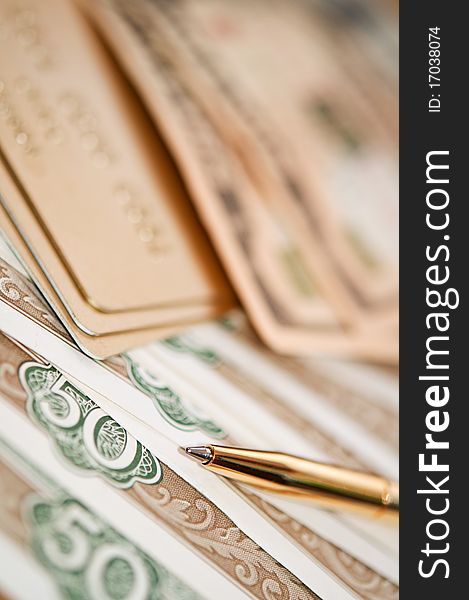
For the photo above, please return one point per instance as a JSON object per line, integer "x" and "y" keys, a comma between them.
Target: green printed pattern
{"x": 89, "y": 560}
{"x": 185, "y": 345}
{"x": 83, "y": 433}
{"x": 169, "y": 404}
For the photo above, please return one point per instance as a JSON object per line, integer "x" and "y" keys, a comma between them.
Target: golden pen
{"x": 331, "y": 486}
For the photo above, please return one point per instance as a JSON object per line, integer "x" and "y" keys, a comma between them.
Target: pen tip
{"x": 200, "y": 453}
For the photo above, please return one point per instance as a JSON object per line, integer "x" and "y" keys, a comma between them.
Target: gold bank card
{"x": 115, "y": 232}
{"x": 99, "y": 347}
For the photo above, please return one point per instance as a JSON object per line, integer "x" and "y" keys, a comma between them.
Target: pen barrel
{"x": 334, "y": 487}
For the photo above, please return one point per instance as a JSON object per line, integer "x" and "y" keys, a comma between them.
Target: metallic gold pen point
{"x": 200, "y": 453}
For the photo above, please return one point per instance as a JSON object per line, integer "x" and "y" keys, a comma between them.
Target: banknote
{"x": 218, "y": 408}
{"x": 57, "y": 547}
{"x": 365, "y": 393}
{"x": 244, "y": 363}
{"x": 287, "y": 303}
{"x": 301, "y": 526}
{"x": 68, "y": 418}
{"x": 225, "y": 500}
{"x": 294, "y": 417}
{"x": 305, "y": 413}
{"x": 189, "y": 414}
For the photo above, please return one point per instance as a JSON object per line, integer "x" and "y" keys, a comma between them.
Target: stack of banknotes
{"x": 198, "y": 216}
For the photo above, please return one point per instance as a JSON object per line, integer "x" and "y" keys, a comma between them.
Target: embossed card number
{"x": 95, "y": 181}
